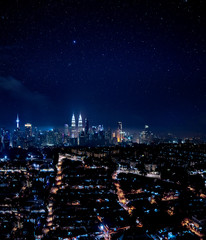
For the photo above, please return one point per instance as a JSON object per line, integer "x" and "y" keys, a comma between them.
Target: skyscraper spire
{"x": 80, "y": 121}
{"x": 73, "y": 121}
{"x": 73, "y": 127}
{"x": 17, "y": 121}
{"x": 80, "y": 126}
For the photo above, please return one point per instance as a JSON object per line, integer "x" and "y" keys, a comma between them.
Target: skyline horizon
{"x": 135, "y": 62}
{"x": 113, "y": 127}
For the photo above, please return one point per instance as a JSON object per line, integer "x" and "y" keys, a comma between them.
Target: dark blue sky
{"x": 139, "y": 62}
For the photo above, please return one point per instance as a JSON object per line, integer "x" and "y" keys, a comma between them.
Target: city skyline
{"x": 73, "y": 121}
{"x": 78, "y": 125}
{"x": 80, "y": 133}
{"x": 103, "y": 121}
{"x": 138, "y": 62}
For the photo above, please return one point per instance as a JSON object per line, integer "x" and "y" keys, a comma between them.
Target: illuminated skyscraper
{"x": 73, "y": 121}
{"x": 120, "y": 126}
{"x": 80, "y": 126}
{"x": 73, "y": 127}
{"x": 119, "y": 132}
{"x": 28, "y": 130}
{"x": 146, "y": 135}
{"x": 17, "y": 122}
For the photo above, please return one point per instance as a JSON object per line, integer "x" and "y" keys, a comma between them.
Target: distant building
{"x": 73, "y": 127}
{"x": 86, "y": 126}
{"x": 146, "y": 136}
{"x": 80, "y": 126}
{"x": 108, "y": 136}
{"x": 66, "y": 129}
{"x": 28, "y": 130}
{"x": 119, "y": 134}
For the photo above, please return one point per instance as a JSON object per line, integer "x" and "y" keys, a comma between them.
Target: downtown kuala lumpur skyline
{"x": 137, "y": 62}
{"x": 81, "y": 123}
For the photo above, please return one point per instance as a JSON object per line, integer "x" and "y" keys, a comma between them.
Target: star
{"x": 74, "y": 41}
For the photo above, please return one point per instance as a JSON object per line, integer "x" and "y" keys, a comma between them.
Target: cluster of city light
{"x": 54, "y": 190}
{"x": 193, "y": 227}
{"x": 123, "y": 201}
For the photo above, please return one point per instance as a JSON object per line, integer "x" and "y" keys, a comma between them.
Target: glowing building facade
{"x": 119, "y": 132}
{"x": 80, "y": 126}
{"x": 73, "y": 127}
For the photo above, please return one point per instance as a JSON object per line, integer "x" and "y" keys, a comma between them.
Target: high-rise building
{"x": 120, "y": 126}
{"x": 108, "y": 136}
{"x": 66, "y": 129}
{"x": 86, "y": 126}
{"x": 73, "y": 121}
{"x": 28, "y": 130}
{"x": 146, "y": 135}
{"x": 80, "y": 126}
{"x": 100, "y": 128}
{"x": 119, "y": 132}
{"x": 73, "y": 127}
{"x": 5, "y": 139}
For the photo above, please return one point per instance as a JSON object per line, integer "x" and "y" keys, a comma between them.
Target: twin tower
{"x": 80, "y": 126}
{"x": 76, "y": 129}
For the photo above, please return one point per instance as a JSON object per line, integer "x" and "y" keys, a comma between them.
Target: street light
{"x": 101, "y": 227}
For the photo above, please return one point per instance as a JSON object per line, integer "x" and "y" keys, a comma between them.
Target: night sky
{"x": 139, "y": 62}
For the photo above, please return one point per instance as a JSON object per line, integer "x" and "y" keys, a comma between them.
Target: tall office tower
{"x": 11, "y": 142}
{"x": 17, "y": 122}
{"x": 66, "y": 129}
{"x": 80, "y": 126}
{"x": 73, "y": 127}
{"x": 120, "y": 126}
{"x": 86, "y": 126}
{"x": 108, "y": 136}
{"x": 28, "y": 130}
{"x": 119, "y": 132}
{"x": 6, "y": 139}
{"x": 146, "y": 135}
{"x": 73, "y": 121}
{"x": 100, "y": 128}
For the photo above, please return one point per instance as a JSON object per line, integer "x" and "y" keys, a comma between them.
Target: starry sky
{"x": 139, "y": 62}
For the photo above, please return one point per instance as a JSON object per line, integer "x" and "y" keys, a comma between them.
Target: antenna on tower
{"x": 17, "y": 121}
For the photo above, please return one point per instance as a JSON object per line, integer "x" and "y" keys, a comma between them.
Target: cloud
{"x": 17, "y": 90}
